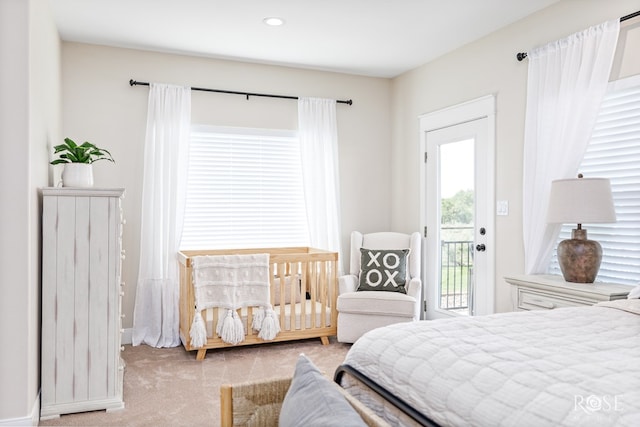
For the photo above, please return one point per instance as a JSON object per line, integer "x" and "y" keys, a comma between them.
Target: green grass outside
{"x": 457, "y": 279}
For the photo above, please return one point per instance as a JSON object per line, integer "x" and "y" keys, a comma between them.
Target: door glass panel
{"x": 457, "y": 207}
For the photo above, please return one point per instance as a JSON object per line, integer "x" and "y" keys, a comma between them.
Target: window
{"x": 614, "y": 153}
{"x": 244, "y": 189}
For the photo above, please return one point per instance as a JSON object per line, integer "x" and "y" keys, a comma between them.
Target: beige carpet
{"x": 168, "y": 387}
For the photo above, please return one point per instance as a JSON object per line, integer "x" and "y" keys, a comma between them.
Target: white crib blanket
{"x": 563, "y": 367}
{"x": 232, "y": 282}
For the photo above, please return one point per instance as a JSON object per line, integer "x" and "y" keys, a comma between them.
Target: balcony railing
{"x": 456, "y": 273}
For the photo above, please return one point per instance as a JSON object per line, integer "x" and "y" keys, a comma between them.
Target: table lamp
{"x": 581, "y": 200}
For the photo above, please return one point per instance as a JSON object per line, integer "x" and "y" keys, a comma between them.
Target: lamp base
{"x": 579, "y": 257}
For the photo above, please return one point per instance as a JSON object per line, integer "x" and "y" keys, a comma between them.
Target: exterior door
{"x": 457, "y": 209}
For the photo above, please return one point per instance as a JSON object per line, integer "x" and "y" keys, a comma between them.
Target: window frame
{"x": 231, "y": 203}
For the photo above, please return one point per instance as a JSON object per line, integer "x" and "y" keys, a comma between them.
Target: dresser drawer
{"x": 532, "y": 300}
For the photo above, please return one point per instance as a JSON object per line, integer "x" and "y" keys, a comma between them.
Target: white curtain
{"x": 318, "y": 133}
{"x": 155, "y": 318}
{"x": 567, "y": 81}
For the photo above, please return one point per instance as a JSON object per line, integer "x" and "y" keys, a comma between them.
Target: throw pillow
{"x": 313, "y": 401}
{"x": 383, "y": 270}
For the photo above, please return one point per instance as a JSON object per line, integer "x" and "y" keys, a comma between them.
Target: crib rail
{"x": 303, "y": 292}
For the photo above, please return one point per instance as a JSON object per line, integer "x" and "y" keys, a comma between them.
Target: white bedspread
{"x": 563, "y": 367}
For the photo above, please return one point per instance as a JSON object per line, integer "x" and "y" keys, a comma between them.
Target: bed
{"x": 576, "y": 366}
{"x": 303, "y": 293}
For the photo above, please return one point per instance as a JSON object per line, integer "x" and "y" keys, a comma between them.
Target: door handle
{"x": 481, "y": 247}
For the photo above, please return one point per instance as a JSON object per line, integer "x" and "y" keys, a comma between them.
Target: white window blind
{"x": 244, "y": 190}
{"x": 614, "y": 153}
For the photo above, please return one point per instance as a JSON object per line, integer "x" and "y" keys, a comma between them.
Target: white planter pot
{"x": 77, "y": 175}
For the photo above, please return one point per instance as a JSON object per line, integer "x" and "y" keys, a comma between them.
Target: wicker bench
{"x": 258, "y": 403}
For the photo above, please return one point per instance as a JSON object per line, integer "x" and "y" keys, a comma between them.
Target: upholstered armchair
{"x": 376, "y": 294}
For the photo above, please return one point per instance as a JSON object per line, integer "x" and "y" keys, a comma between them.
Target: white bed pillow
{"x": 634, "y": 293}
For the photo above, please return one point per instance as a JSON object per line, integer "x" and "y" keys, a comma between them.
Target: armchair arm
{"x": 414, "y": 289}
{"x": 347, "y": 283}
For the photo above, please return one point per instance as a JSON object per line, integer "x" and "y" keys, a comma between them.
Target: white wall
{"x": 489, "y": 66}
{"x": 29, "y": 120}
{"x": 14, "y": 244}
{"x": 100, "y": 106}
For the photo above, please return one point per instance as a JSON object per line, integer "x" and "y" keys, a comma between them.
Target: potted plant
{"x": 78, "y": 162}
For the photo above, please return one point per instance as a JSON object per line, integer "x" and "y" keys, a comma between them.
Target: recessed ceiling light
{"x": 273, "y": 21}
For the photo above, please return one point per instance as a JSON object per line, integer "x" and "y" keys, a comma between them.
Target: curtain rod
{"x": 523, "y": 55}
{"x": 233, "y": 92}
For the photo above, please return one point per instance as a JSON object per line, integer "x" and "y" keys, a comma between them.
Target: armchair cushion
{"x": 392, "y": 304}
{"x": 383, "y": 270}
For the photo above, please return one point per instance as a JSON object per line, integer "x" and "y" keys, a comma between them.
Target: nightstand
{"x": 546, "y": 292}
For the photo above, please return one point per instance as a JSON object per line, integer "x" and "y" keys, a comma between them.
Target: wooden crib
{"x": 303, "y": 287}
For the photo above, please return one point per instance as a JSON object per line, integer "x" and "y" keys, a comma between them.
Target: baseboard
{"x": 33, "y": 420}
{"x": 15, "y": 422}
{"x": 35, "y": 411}
{"x": 127, "y": 336}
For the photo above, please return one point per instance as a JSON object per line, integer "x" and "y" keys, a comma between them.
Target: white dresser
{"x": 82, "y": 369}
{"x": 546, "y": 292}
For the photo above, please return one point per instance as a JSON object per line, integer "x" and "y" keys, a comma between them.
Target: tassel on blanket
{"x": 231, "y": 330}
{"x": 270, "y": 325}
{"x": 198, "y": 332}
{"x": 258, "y": 318}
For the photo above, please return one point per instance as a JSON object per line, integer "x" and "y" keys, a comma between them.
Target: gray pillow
{"x": 383, "y": 270}
{"x": 313, "y": 401}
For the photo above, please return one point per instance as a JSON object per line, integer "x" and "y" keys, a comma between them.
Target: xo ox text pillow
{"x": 383, "y": 270}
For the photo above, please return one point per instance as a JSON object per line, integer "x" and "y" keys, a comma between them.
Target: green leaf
{"x": 84, "y": 153}
{"x": 70, "y": 142}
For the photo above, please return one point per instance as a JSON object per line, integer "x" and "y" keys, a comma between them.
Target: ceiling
{"x": 380, "y": 38}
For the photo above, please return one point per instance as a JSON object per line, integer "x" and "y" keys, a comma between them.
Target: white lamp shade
{"x": 581, "y": 201}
